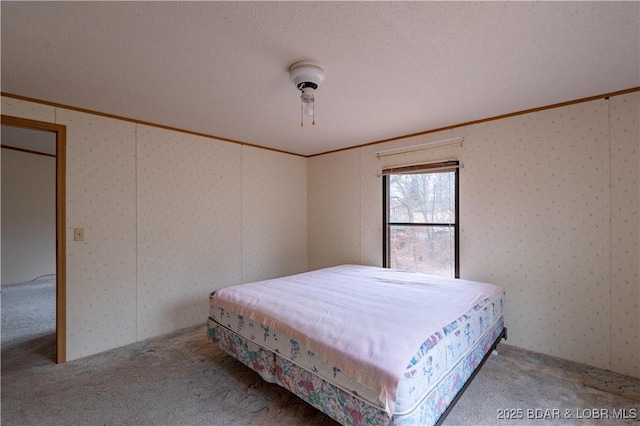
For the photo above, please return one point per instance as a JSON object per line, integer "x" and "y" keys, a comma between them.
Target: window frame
{"x": 439, "y": 167}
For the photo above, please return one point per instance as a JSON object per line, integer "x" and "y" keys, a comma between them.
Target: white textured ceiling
{"x": 392, "y": 68}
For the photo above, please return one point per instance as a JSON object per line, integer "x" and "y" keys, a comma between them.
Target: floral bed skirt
{"x": 341, "y": 405}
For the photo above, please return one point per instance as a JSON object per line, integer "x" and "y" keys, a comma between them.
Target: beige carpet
{"x": 181, "y": 378}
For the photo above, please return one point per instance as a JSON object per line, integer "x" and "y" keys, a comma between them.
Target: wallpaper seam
{"x": 608, "y": 100}
{"x": 135, "y": 162}
{"x": 361, "y": 201}
{"x": 241, "y": 214}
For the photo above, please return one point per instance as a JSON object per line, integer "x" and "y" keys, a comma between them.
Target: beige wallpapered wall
{"x": 274, "y": 214}
{"x": 625, "y": 234}
{"x": 334, "y": 209}
{"x": 168, "y": 218}
{"x": 548, "y": 210}
{"x": 101, "y": 198}
{"x": 188, "y": 222}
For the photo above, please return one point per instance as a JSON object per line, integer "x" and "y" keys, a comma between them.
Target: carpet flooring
{"x": 182, "y": 379}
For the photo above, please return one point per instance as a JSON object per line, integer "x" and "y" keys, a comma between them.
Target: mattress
{"x": 419, "y": 328}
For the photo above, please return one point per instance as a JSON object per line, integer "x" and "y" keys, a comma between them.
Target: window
{"x": 421, "y": 218}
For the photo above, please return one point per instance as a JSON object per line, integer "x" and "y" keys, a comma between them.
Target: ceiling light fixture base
{"x": 307, "y": 76}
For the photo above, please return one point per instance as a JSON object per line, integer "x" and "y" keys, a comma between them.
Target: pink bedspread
{"x": 368, "y": 321}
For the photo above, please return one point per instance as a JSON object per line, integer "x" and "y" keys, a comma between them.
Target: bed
{"x": 363, "y": 344}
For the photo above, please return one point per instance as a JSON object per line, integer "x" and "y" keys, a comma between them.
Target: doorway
{"x": 59, "y": 132}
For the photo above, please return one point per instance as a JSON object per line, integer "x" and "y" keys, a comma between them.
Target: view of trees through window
{"x": 421, "y": 222}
